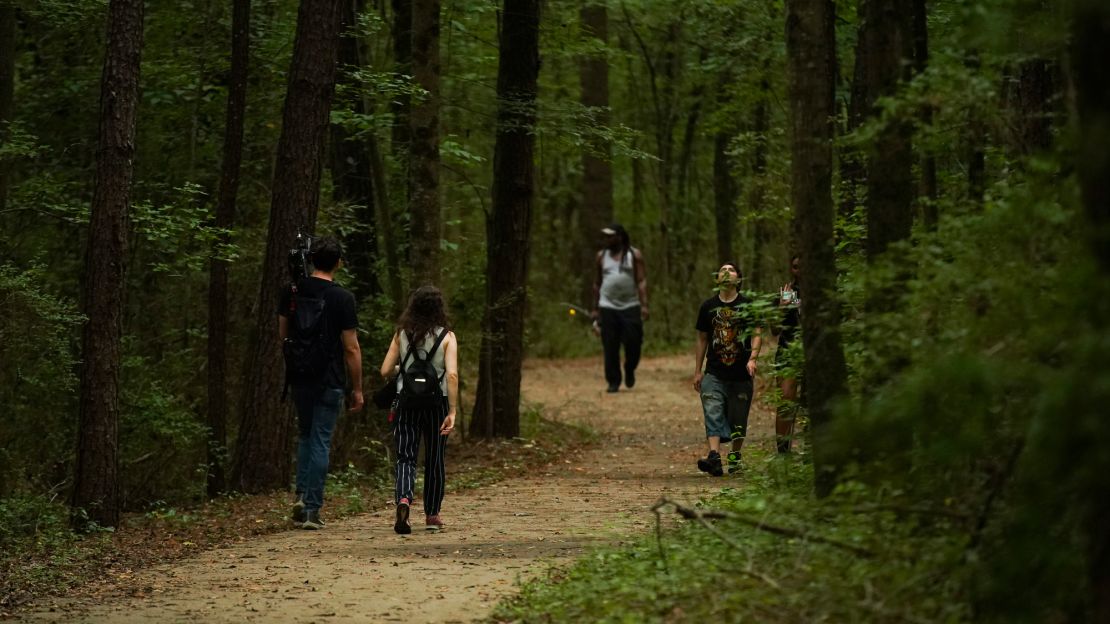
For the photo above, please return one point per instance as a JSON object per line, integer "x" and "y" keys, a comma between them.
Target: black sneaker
{"x": 613, "y": 388}
{"x": 298, "y": 511}
{"x": 401, "y": 525}
{"x": 630, "y": 378}
{"x": 711, "y": 464}
{"x": 733, "y": 461}
{"x": 312, "y": 521}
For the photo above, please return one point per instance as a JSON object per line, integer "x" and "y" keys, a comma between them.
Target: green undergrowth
{"x": 891, "y": 562}
{"x": 41, "y": 557}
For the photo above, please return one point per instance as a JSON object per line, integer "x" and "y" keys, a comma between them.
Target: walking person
{"x": 424, "y": 356}
{"x": 317, "y": 323}
{"x": 728, "y": 345}
{"x": 620, "y": 305}
{"x": 790, "y": 304}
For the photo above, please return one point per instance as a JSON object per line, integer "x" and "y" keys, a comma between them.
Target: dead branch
{"x": 701, "y": 516}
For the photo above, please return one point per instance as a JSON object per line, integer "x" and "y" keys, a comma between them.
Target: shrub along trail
{"x": 359, "y": 570}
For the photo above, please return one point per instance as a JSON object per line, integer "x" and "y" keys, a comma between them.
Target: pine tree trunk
{"x": 1036, "y": 95}
{"x": 426, "y": 229}
{"x": 597, "y": 171}
{"x": 929, "y": 192}
{"x": 811, "y": 62}
{"x": 510, "y": 222}
{"x": 8, "y": 31}
{"x": 218, "y": 272}
{"x": 264, "y": 453}
{"x": 724, "y": 197}
{"x": 758, "y": 204}
{"x": 96, "y": 482}
{"x": 975, "y": 146}
{"x": 886, "y": 49}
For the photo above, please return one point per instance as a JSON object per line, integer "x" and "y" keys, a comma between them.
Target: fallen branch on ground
{"x": 701, "y": 516}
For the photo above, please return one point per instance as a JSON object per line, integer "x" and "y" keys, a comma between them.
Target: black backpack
{"x": 419, "y": 380}
{"x": 306, "y": 348}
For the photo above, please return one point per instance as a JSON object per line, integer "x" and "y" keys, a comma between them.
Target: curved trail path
{"x": 359, "y": 570}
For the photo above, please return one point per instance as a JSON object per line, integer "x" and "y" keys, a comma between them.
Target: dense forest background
{"x": 973, "y": 369}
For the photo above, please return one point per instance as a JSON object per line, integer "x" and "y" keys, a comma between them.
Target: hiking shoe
{"x": 298, "y": 511}
{"x": 433, "y": 522}
{"x": 733, "y": 461}
{"x": 613, "y": 388}
{"x": 401, "y": 525}
{"x": 312, "y": 521}
{"x": 711, "y": 464}
{"x": 630, "y": 378}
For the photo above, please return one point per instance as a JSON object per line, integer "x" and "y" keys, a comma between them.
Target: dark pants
{"x": 621, "y": 327}
{"x": 414, "y": 425}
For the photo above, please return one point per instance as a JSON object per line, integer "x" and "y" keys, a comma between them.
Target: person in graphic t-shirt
{"x": 620, "y": 305}
{"x": 790, "y": 304}
{"x": 727, "y": 345}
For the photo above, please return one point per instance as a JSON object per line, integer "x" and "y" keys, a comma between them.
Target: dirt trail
{"x": 359, "y": 570}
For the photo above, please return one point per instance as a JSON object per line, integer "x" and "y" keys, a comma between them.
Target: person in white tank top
{"x": 620, "y": 305}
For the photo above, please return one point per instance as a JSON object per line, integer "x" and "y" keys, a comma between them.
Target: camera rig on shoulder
{"x": 300, "y": 257}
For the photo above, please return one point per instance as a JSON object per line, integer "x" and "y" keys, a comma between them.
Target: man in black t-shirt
{"x": 728, "y": 345}
{"x": 318, "y": 403}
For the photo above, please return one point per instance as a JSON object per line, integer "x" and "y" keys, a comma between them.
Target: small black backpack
{"x": 306, "y": 349}
{"x": 419, "y": 380}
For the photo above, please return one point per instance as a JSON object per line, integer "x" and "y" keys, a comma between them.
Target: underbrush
{"x": 41, "y": 557}
{"x": 773, "y": 554}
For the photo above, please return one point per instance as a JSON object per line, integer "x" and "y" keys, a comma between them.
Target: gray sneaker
{"x": 298, "y": 511}
{"x": 312, "y": 521}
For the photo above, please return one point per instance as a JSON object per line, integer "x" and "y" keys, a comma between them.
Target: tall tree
{"x": 811, "y": 63}
{"x": 263, "y": 452}
{"x": 596, "y": 209}
{"x": 884, "y": 54}
{"x": 218, "y": 271}
{"x": 724, "y": 195}
{"x": 96, "y": 482}
{"x": 497, "y": 407}
{"x": 1090, "y": 49}
{"x": 8, "y": 27}
{"x": 929, "y": 191}
{"x": 426, "y": 227}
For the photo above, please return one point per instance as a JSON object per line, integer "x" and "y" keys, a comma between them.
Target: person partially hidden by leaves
{"x": 318, "y": 323}
{"x": 790, "y": 304}
{"x": 728, "y": 346}
{"x": 423, "y": 356}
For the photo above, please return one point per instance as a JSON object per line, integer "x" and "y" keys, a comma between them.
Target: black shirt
{"x": 339, "y": 306}
{"x": 791, "y": 319}
{"x": 729, "y": 332}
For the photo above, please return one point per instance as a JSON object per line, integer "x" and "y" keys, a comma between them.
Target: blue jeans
{"x": 725, "y": 405}
{"x": 317, "y": 411}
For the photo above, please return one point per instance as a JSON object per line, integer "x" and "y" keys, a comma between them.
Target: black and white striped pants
{"x": 412, "y": 426}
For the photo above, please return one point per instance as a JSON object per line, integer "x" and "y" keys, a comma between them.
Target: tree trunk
{"x": 757, "y": 208}
{"x": 1090, "y": 49}
{"x": 724, "y": 197}
{"x": 7, "y": 88}
{"x": 597, "y": 172}
{"x": 426, "y": 229}
{"x": 510, "y": 223}
{"x": 351, "y": 165}
{"x": 886, "y": 48}
{"x": 976, "y": 138}
{"x": 263, "y": 457}
{"x": 1036, "y": 95}
{"x": 402, "y": 65}
{"x": 811, "y": 62}
{"x": 929, "y": 193}
{"x": 96, "y": 482}
{"x": 218, "y": 272}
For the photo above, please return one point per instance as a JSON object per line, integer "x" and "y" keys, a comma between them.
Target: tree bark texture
{"x": 811, "y": 63}
{"x": 351, "y": 165}
{"x": 1090, "y": 50}
{"x": 218, "y": 272}
{"x": 975, "y": 146}
{"x": 597, "y": 171}
{"x": 510, "y": 220}
{"x": 929, "y": 191}
{"x": 96, "y": 482}
{"x": 8, "y": 31}
{"x": 263, "y": 454}
{"x": 1037, "y": 89}
{"x": 885, "y": 50}
{"x": 402, "y": 64}
{"x": 724, "y": 197}
{"x": 426, "y": 228}
{"x": 757, "y": 206}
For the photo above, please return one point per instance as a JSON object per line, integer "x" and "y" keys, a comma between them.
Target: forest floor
{"x": 358, "y": 569}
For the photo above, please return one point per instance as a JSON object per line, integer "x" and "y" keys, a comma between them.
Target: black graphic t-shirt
{"x": 339, "y": 305}
{"x": 729, "y": 337}
{"x": 790, "y": 302}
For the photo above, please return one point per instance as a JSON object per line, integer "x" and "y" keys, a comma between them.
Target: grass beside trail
{"x": 40, "y": 557}
{"x": 890, "y": 564}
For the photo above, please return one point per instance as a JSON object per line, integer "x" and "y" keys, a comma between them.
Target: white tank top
{"x": 618, "y": 281}
{"x": 438, "y": 358}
